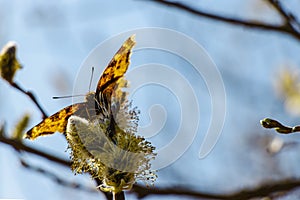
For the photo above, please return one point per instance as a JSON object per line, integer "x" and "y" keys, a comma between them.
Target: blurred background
{"x": 260, "y": 71}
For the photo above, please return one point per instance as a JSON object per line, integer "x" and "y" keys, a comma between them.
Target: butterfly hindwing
{"x": 56, "y": 122}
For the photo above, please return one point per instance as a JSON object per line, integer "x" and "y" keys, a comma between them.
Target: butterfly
{"x": 97, "y": 104}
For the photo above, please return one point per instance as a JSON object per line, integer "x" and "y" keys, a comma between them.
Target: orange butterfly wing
{"x": 56, "y": 122}
{"x": 115, "y": 70}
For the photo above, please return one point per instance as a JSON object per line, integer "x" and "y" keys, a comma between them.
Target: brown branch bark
{"x": 18, "y": 145}
{"x": 32, "y": 97}
{"x": 289, "y": 18}
{"x": 271, "y": 123}
{"x": 55, "y": 178}
{"x": 267, "y": 189}
{"x": 285, "y": 28}
{"x": 264, "y": 190}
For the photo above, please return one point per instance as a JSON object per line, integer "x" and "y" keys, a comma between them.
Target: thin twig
{"x": 246, "y": 23}
{"x": 57, "y": 179}
{"x": 16, "y": 144}
{"x": 265, "y": 190}
{"x": 271, "y": 123}
{"x": 32, "y": 97}
{"x": 289, "y": 18}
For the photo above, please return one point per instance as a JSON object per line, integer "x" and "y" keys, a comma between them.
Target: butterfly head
{"x": 89, "y": 97}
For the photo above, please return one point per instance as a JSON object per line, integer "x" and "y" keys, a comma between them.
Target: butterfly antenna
{"x": 78, "y": 95}
{"x": 68, "y": 96}
{"x": 91, "y": 80}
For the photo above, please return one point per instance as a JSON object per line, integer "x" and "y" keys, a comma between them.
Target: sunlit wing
{"x": 115, "y": 70}
{"x": 56, "y": 122}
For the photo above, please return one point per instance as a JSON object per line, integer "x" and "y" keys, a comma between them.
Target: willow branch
{"x": 57, "y": 179}
{"x": 261, "y": 191}
{"x": 289, "y": 18}
{"x": 265, "y": 190}
{"x": 18, "y": 145}
{"x": 286, "y": 29}
{"x": 31, "y": 96}
{"x": 271, "y": 123}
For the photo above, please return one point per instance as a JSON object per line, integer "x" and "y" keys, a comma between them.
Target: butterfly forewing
{"x": 116, "y": 69}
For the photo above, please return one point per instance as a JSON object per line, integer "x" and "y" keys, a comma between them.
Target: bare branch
{"x": 265, "y": 190}
{"x": 18, "y": 145}
{"x": 261, "y": 191}
{"x": 31, "y": 96}
{"x": 286, "y": 29}
{"x": 289, "y": 18}
{"x": 271, "y": 123}
{"x": 56, "y": 178}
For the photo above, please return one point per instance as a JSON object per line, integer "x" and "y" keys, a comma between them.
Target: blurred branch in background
{"x": 19, "y": 146}
{"x": 291, "y": 26}
{"x": 31, "y": 96}
{"x": 57, "y": 179}
{"x": 290, "y": 20}
{"x": 267, "y": 189}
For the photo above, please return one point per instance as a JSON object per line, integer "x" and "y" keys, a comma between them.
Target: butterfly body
{"x": 97, "y": 104}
